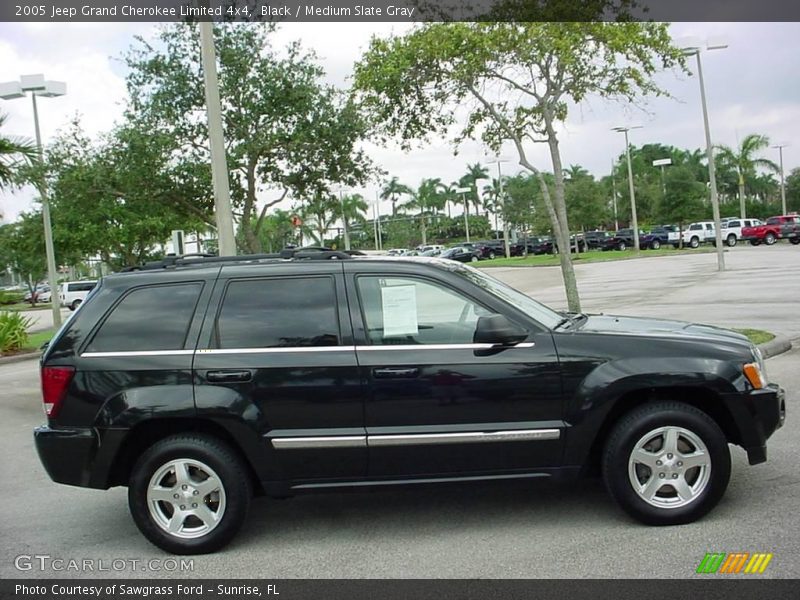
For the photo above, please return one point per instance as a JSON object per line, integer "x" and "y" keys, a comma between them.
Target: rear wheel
{"x": 667, "y": 463}
{"x": 75, "y": 304}
{"x": 731, "y": 241}
{"x": 770, "y": 238}
{"x": 189, "y": 494}
{"x": 794, "y": 240}
{"x": 754, "y": 242}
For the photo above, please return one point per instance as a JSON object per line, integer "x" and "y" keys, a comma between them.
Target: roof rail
{"x": 194, "y": 260}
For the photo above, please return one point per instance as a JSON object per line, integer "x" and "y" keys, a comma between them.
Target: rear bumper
{"x": 77, "y": 456}
{"x": 758, "y": 414}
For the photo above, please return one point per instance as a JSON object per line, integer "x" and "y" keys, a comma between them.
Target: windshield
{"x": 537, "y": 311}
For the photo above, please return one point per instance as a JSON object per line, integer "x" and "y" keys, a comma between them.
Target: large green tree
{"x": 22, "y": 250}
{"x": 515, "y": 81}
{"x": 286, "y": 132}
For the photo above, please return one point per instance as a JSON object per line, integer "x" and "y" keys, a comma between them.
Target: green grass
{"x": 547, "y": 260}
{"x": 757, "y": 336}
{"x": 35, "y": 340}
{"x": 22, "y": 306}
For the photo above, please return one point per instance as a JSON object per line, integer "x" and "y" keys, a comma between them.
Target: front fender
{"x": 598, "y": 393}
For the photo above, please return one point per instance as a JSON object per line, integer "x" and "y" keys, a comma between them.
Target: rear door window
{"x": 148, "y": 318}
{"x": 278, "y": 313}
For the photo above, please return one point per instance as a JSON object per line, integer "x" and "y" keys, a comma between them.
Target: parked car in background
{"x": 461, "y": 254}
{"x": 491, "y": 249}
{"x": 595, "y": 239}
{"x": 620, "y": 240}
{"x": 732, "y": 229}
{"x": 480, "y": 249}
{"x": 698, "y": 233}
{"x": 791, "y": 232}
{"x": 770, "y": 232}
{"x": 534, "y": 245}
{"x": 431, "y": 253}
{"x": 427, "y": 247}
{"x": 397, "y": 251}
{"x": 657, "y": 237}
{"x": 73, "y": 293}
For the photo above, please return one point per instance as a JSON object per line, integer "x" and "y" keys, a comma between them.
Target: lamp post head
{"x": 35, "y": 84}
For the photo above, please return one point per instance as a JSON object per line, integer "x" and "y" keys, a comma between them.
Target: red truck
{"x": 769, "y": 232}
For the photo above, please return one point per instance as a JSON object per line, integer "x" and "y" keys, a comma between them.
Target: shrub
{"x": 13, "y": 331}
{"x": 10, "y": 297}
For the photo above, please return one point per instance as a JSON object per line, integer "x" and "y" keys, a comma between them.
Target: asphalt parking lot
{"x": 481, "y": 531}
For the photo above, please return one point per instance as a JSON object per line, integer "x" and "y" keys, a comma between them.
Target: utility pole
{"x": 219, "y": 164}
{"x": 780, "y": 148}
{"x": 634, "y": 220}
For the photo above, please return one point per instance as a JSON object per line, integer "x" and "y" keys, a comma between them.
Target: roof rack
{"x": 194, "y": 260}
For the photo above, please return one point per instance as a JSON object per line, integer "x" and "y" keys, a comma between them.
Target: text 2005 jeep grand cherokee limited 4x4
{"x": 197, "y": 383}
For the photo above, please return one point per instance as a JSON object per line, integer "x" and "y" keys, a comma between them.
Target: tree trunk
{"x": 423, "y": 229}
{"x": 251, "y": 241}
{"x": 742, "y": 205}
{"x": 560, "y": 224}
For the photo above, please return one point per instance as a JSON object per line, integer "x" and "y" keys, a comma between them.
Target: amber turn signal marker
{"x": 754, "y": 376}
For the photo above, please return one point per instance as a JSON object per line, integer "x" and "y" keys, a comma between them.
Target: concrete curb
{"x": 5, "y": 360}
{"x": 778, "y": 345}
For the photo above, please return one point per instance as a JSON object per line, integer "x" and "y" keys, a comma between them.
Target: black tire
{"x": 623, "y": 246}
{"x": 639, "y": 424}
{"x": 731, "y": 241}
{"x": 754, "y": 242}
{"x": 655, "y": 245}
{"x": 473, "y": 258}
{"x": 694, "y": 242}
{"x": 209, "y": 452}
{"x": 491, "y": 255}
{"x": 770, "y": 238}
{"x": 794, "y": 241}
{"x": 75, "y": 304}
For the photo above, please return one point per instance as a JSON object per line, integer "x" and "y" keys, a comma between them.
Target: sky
{"x": 753, "y": 86}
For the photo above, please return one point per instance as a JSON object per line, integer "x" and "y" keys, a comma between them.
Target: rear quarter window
{"x": 148, "y": 318}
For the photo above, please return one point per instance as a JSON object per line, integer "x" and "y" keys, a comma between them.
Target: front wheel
{"x": 623, "y": 246}
{"x": 794, "y": 241}
{"x": 731, "y": 241}
{"x": 75, "y": 304}
{"x": 754, "y": 242}
{"x": 770, "y": 239}
{"x": 473, "y": 258}
{"x": 655, "y": 245}
{"x": 189, "y": 494}
{"x": 667, "y": 463}
{"x": 694, "y": 242}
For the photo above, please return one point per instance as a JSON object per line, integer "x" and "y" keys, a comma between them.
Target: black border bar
{"x": 396, "y": 10}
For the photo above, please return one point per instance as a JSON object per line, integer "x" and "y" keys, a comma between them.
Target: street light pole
{"x": 463, "y": 191}
{"x": 502, "y": 199}
{"x": 219, "y": 163}
{"x": 712, "y": 173}
{"x": 614, "y": 195}
{"x": 37, "y": 85}
{"x": 634, "y": 220}
{"x": 780, "y": 148}
{"x": 344, "y": 221}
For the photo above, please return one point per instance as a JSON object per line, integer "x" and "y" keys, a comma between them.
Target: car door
{"x": 440, "y": 405}
{"x": 277, "y": 354}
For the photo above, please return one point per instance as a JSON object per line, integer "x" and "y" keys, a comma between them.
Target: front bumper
{"x": 758, "y": 414}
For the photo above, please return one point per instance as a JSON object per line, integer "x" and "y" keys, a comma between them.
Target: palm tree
{"x": 744, "y": 160}
{"x": 392, "y": 190}
{"x": 14, "y": 152}
{"x": 428, "y": 197}
{"x": 352, "y": 208}
{"x": 474, "y": 172}
{"x": 319, "y": 214}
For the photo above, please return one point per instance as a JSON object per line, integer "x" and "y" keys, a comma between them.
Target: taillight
{"x": 55, "y": 381}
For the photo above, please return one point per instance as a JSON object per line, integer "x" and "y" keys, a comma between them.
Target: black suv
{"x": 200, "y": 382}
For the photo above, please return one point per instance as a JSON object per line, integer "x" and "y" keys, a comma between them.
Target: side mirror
{"x": 497, "y": 329}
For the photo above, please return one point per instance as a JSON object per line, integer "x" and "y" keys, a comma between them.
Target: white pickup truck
{"x": 695, "y": 234}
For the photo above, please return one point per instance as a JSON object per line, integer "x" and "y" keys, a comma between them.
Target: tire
{"x": 204, "y": 458}
{"x": 491, "y": 255}
{"x": 623, "y": 246}
{"x": 731, "y": 240}
{"x": 770, "y": 238}
{"x": 473, "y": 258}
{"x": 655, "y": 245}
{"x": 75, "y": 304}
{"x": 794, "y": 241}
{"x": 643, "y": 432}
{"x": 754, "y": 242}
{"x": 694, "y": 242}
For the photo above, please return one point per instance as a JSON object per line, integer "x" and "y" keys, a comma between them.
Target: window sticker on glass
{"x": 399, "y": 310}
